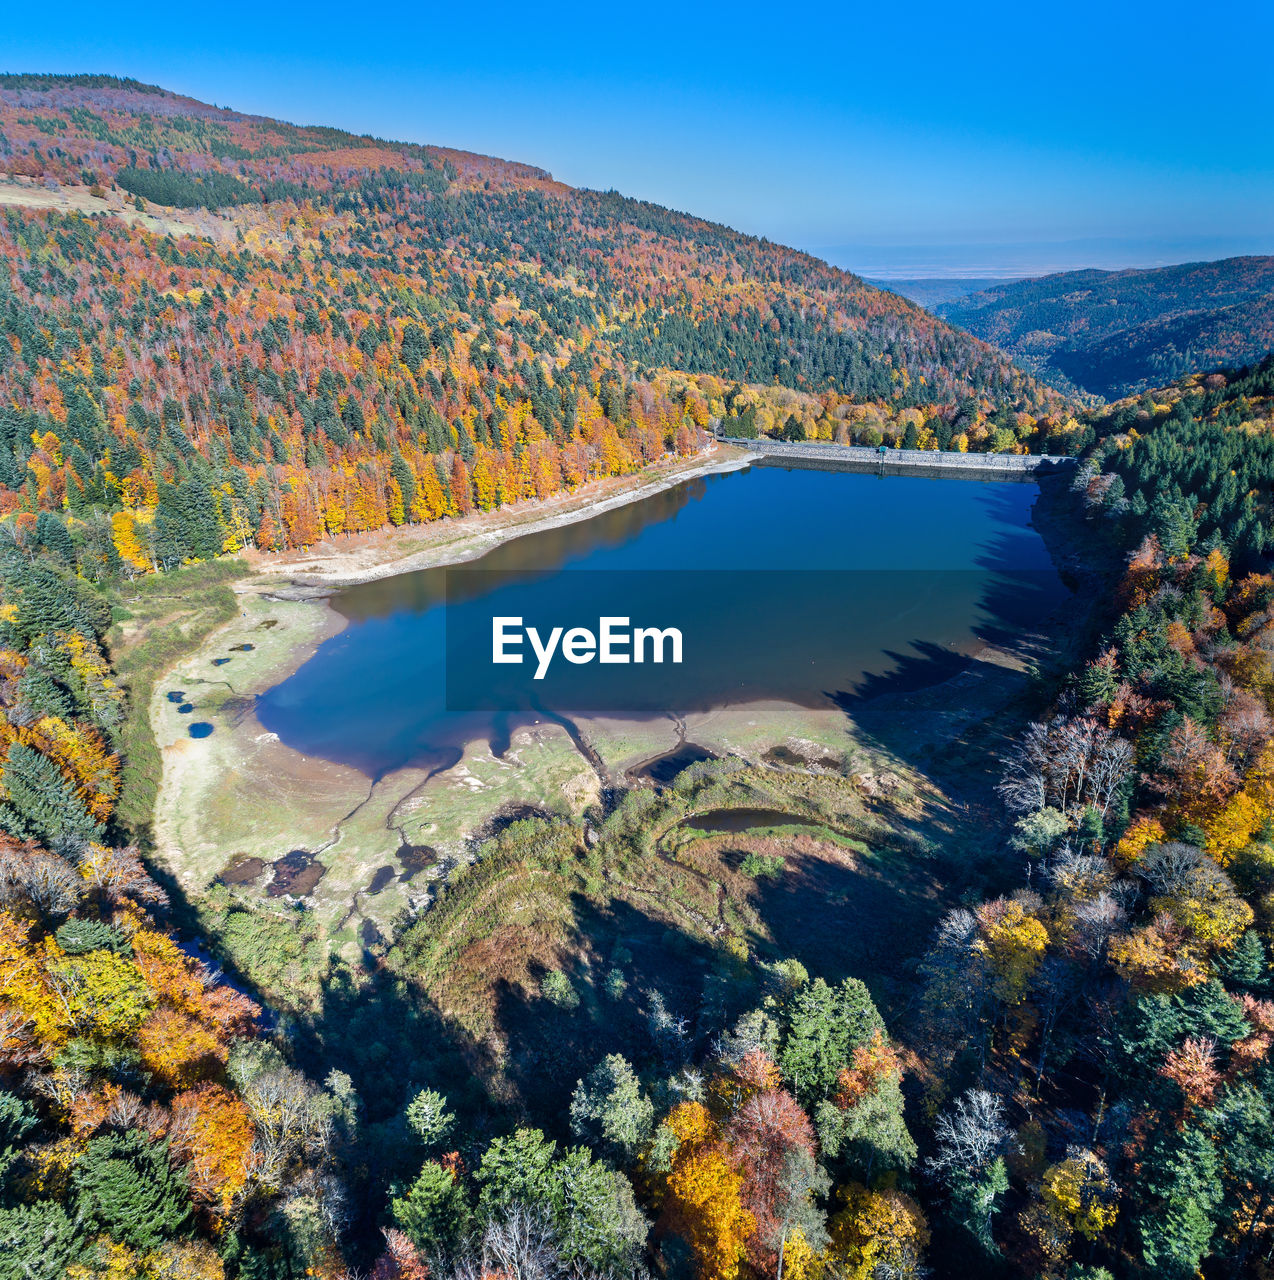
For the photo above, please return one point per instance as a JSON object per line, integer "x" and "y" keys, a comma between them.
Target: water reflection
{"x": 374, "y": 696}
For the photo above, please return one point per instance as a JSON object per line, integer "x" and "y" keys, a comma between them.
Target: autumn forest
{"x": 600, "y": 1050}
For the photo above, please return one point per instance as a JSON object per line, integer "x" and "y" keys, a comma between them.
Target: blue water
{"x": 881, "y": 578}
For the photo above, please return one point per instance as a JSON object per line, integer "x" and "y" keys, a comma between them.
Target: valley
{"x": 360, "y": 786}
{"x": 916, "y": 920}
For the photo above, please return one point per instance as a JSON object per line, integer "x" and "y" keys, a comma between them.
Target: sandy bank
{"x": 366, "y": 557}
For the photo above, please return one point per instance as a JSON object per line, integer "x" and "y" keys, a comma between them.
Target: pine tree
{"x": 1183, "y": 1177}
{"x": 42, "y": 805}
{"x": 17, "y": 1119}
{"x": 125, "y": 1185}
{"x": 823, "y": 1025}
{"x": 610, "y": 1110}
{"x": 38, "y": 1241}
{"x": 435, "y": 1211}
{"x": 53, "y": 537}
{"x": 1246, "y": 964}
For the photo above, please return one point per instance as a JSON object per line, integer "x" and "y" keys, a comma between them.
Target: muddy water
{"x": 243, "y": 871}
{"x": 719, "y": 821}
{"x": 297, "y": 873}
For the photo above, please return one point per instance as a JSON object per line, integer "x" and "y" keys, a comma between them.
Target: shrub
{"x": 558, "y": 989}
{"x": 762, "y": 868}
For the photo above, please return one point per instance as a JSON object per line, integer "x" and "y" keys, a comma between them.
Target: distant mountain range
{"x": 932, "y": 291}
{"x": 1115, "y": 333}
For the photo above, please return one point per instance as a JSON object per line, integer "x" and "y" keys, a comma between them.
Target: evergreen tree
{"x": 610, "y": 1110}
{"x": 124, "y": 1185}
{"x": 1172, "y": 523}
{"x": 42, "y": 805}
{"x": 38, "y": 1241}
{"x": 50, "y": 599}
{"x": 435, "y": 1212}
{"x": 822, "y": 1025}
{"x": 51, "y": 534}
{"x": 1245, "y": 964}
{"x": 44, "y": 695}
{"x": 17, "y": 1119}
{"x": 1182, "y": 1175}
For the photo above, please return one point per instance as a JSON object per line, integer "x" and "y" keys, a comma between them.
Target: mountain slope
{"x": 1114, "y": 333}
{"x": 335, "y": 332}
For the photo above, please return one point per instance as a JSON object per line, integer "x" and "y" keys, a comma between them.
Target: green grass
{"x": 159, "y": 620}
{"x": 759, "y": 867}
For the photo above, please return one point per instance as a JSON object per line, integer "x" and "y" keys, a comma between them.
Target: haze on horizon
{"x": 1010, "y": 141}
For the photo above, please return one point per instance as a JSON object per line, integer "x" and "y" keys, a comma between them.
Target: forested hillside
{"x": 1113, "y": 1016}
{"x": 384, "y": 333}
{"x": 1115, "y": 333}
{"x": 1079, "y": 1084}
{"x": 594, "y": 1056}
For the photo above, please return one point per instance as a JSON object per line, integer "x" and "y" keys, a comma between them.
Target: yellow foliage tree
{"x": 1140, "y": 835}
{"x": 1242, "y": 816}
{"x": 1155, "y": 957}
{"x": 484, "y": 481}
{"x": 178, "y": 1260}
{"x": 877, "y": 1231}
{"x": 179, "y": 1049}
{"x": 104, "y": 996}
{"x": 127, "y": 544}
{"x": 25, "y": 993}
{"x": 1013, "y": 942}
{"x": 1079, "y": 1193}
{"x": 800, "y": 1262}
{"x": 702, "y": 1195}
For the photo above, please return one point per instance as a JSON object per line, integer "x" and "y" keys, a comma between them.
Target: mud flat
{"x": 237, "y": 798}
{"x": 237, "y": 793}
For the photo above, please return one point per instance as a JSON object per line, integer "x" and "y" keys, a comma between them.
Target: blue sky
{"x": 890, "y": 137}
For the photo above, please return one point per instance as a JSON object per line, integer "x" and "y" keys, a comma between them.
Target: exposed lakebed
{"x": 808, "y": 586}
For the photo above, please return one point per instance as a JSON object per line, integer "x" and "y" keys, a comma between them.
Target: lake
{"x": 817, "y": 587}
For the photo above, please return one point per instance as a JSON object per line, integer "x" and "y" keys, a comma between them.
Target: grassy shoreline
{"x": 158, "y": 621}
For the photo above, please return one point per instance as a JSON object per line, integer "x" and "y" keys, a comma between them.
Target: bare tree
{"x": 1111, "y": 763}
{"x": 956, "y": 987}
{"x": 1068, "y": 762}
{"x": 1097, "y": 920}
{"x": 969, "y": 1134}
{"x": 18, "y": 1044}
{"x": 1024, "y": 787}
{"x": 1078, "y": 875}
{"x": 956, "y": 931}
{"x": 119, "y": 873}
{"x": 1169, "y": 868}
{"x": 293, "y": 1122}
{"x": 519, "y": 1245}
{"x": 1245, "y": 725}
{"x": 670, "y": 1033}
{"x": 1070, "y": 747}
{"x": 31, "y": 877}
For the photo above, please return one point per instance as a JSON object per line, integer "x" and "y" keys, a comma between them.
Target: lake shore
{"x": 387, "y": 552}
{"x": 217, "y": 790}
{"x": 233, "y": 793}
